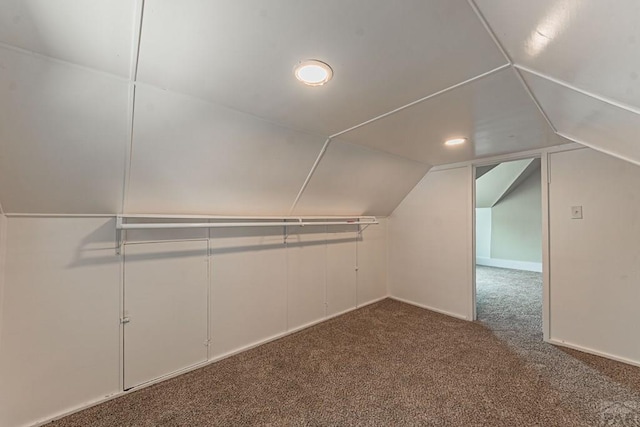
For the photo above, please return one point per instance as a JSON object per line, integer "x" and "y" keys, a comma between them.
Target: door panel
{"x": 165, "y": 301}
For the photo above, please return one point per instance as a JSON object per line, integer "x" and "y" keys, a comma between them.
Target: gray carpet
{"x": 509, "y": 302}
{"x": 394, "y": 364}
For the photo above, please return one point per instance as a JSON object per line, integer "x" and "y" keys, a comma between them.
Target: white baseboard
{"x": 572, "y": 346}
{"x": 290, "y": 332}
{"x": 426, "y": 307}
{"x": 511, "y": 264}
{"x": 212, "y": 360}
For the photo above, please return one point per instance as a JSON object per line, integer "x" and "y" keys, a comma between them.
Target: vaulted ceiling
{"x": 187, "y": 107}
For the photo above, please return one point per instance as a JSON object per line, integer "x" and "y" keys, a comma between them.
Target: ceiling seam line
{"x": 599, "y": 149}
{"x": 59, "y": 61}
{"x": 133, "y": 75}
{"x": 128, "y": 160}
{"x": 136, "y": 83}
{"x": 138, "y": 41}
{"x": 533, "y": 97}
{"x": 501, "y": 48}
{"x": 489, "y": 30}
{"x": 311, "y": 172}
{"x": 566, "y": 85}
{"x": 418, "y": 101}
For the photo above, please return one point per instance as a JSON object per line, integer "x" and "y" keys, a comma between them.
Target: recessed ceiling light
{"x": 455, "y": 141}
{"x": 313, "y": 72}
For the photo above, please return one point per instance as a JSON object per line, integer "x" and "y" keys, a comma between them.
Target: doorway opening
{"x": 508, "y": 247}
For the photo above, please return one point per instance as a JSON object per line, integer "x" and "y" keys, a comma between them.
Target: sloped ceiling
{"x": 189, "y": 107}
{"x": 495, "y": 184}
{"x": 581, "y": 61}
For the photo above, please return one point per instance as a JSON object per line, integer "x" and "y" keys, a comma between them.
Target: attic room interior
{"x": 219, "y": 212}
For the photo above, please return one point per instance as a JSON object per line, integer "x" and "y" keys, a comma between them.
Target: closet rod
{"x": 140, "y": 226}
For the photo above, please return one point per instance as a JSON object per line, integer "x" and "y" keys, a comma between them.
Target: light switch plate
{"x": 576, "y": 212}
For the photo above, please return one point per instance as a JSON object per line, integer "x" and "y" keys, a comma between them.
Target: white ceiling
{"x": 355, "y": 176}
{"x": 63, "y": 137}
{"x": 206, "y": 137}
{"x": 583, "y": 118}
{"x": 242, "y": 53}
{"x": 594, "y": 45}
{"x": 96, "y": 34}
{"x": 586, "y": 56}
{"x": 495, "y": 113}
{"x": 193, "y": 157}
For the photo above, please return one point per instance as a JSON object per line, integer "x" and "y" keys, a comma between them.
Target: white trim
{"x": 133, "y": 73}
{"x": 126, "y": 79}
{"x": 471, "y": 238}
{"x": 510, "y": 264}
{"x": 600, "y": 149}
{"x": 241, "y": 217}
{"x": 534, "y": 99}
{"x": 276, "y": 337}
{"x": 3, "y": 255}
{"x": 564, "y": 84}
{"x": 487, "y": 27}
{"x": 526, "y": 87}
{"x": 588, "y": 350}
{"x": 427, "y": 307}
{"x": 364, "y": 220}
{"x": 474, "y": 255}
{"x": 145, "y": 242}
{"x": 485, "y": 161}
{"x": 179, "y": 217}
{"x": 433, "y": 95}
{"x": 310, "y": 174}
{"x": 546, "y": 258}
{"x": 58, "y": 215}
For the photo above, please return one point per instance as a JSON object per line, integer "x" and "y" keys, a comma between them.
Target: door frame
{"x": 543, "y": 155}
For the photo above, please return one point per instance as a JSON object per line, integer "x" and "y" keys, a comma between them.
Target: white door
{"x": 165, "y": 304}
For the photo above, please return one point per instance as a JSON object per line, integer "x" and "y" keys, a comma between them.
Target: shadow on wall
{"x": 91, "y": 244}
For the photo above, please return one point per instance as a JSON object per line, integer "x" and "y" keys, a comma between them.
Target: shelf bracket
{"x": 361, "y": 228}
{"x": 119, "y": 232}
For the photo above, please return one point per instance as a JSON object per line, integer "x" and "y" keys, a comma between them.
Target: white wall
{"x": 430, "y": 243}
{"x": 60, "y": 338}
{"x": 516, "y": 231}
{"x": 372, "y": 258}
{"x": 594, "y": 285}
{"x": 60, "y": 327}
{"x": 249, "y": 287}
{"x": 483, "y": 233}
{"x": 262, "y": 288}
{"x": 595, "y": 261}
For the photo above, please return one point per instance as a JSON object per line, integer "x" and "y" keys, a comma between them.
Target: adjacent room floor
{"x": 394, "y": 364}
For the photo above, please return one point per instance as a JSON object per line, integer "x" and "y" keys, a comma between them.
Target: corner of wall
{"x": 386, "y": 255}
{"x": 3, "y": 254}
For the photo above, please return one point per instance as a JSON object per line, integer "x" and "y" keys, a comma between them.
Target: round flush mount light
{"x": 455, "y": 141}
{"x": 313, "y": 72}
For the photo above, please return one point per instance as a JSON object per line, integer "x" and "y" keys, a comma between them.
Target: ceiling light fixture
{"x": 313, "y": 72}
{"x": 455, "y": 141}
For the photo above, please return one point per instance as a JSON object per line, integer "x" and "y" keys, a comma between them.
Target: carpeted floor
{"x": 394, "y": 364}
